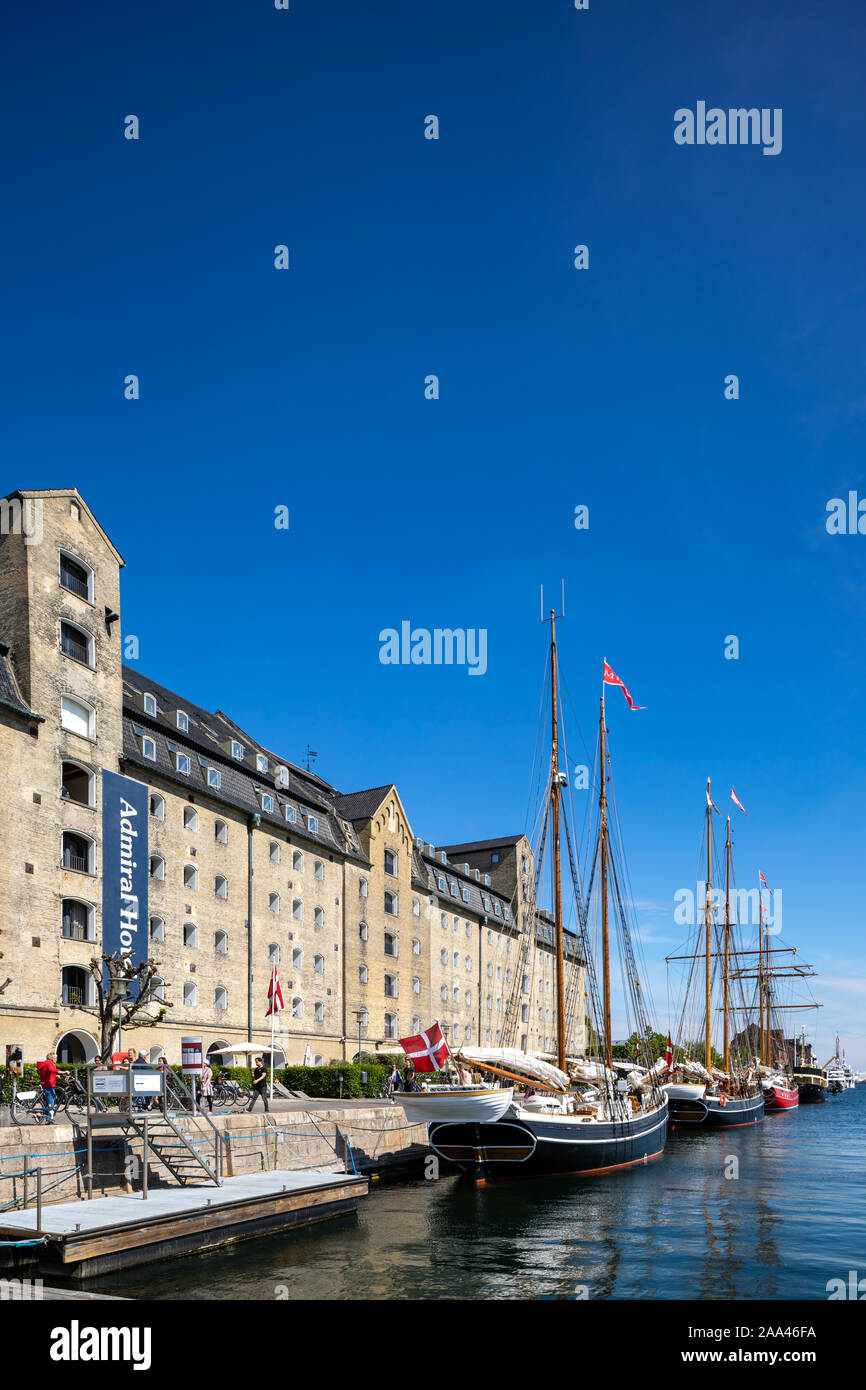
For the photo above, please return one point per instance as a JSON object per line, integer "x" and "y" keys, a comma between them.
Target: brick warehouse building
{"x": 243, "y": 858}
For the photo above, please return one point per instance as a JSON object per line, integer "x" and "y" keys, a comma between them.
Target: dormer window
{"x": 213, "y": 777}
{"x": 238, "y": 751}
{"x": 76, "y": 576}
{"x": 183, "y": 721}
{"x": 149, "y": 703}
{"x": 182, "y": 763}
{"x": 261, "y": 763}
{"x": 148, "y": 748}
{"x": 267, "y": 801}
{"x": 290, "y": 815}
{"x": 466, "y": 895}
{"x": 312, "y": 824}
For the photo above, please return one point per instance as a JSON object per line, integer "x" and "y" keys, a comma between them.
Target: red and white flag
{"x": 764, "y": 881}
{"x": 427, "y": 1050}
{"x": 609, "y": 677}
{"x": 737, "y": 802}
{"x": 275, "y": 995}
{"x": 669, "y": 1054}
{"x": 710, "y": 801}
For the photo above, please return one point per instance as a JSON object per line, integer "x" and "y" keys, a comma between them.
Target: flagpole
{"x": 708, "y": 918}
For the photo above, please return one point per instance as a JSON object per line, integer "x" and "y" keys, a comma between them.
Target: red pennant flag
{"x": 609, "y": 677}
{"x": 427, "y": 1050}
{"x": 669, "y": 1054}
{"x": 275, "y": 995}
{"x": 710, "y": 801}
{"x": 737, "y": 802}
{"x": 764, "y": 881}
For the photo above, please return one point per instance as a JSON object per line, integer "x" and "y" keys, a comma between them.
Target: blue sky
{"x": 557, "y": 387}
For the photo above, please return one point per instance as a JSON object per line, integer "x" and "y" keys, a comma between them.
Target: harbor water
{"x": 776, "y": 1211}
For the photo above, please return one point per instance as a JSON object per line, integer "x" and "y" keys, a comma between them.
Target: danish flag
{"x": 609, "y": 677}
{"x": 427, "y": 1050}
{"x": 275, "y": 995}
{"x": 669, "y": 1054}
{"x": 764, "y": 881}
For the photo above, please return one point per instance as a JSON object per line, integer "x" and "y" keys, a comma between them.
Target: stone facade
{"x": 252, "y": 860}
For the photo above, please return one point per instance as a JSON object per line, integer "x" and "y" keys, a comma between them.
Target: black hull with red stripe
{"x": 523, "y": 1145}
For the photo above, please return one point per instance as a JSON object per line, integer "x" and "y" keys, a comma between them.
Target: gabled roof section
{"x": 74, "y": 496}
{"x": 475, "y": 846}
{"x": 363, "y": 805}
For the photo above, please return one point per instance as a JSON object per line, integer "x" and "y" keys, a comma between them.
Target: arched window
{"x": 77, "y": 717}
{"x": 319, "y": 964}
{"x": 220, "y": 832}
{"x": 190, "y": 818}
{"x": 190, "y": 877}
{"x": 190, "y": 934}
{"x": 363, "y": 888}
{"x": 274, "y": 852}
{"x": 77, "y": 920}
{"x": 274, "y": 953}
{"x": 468, "y": 963}
{"x": 273, "y": 902}
{"x": 221, "y": 886}
{"x": 297, "y": 1007}
{"x": 416, "y": 946}
{"x": 456, "y": 995}
{"x": 79, "y": 852}
{"x": 443, "y": 956}
{"x": 220, "y": 999}
{"x": 77, "y": 784}
{"x": 76, "y": 642}
{"x": 76, "y": 986}
{"x": 444, "y": 919}
{"x": 363, "y": 931}
{"x": 157, "y": 806}
{"x": 391, "y": 903}
{"x": 76, "y": 576}
{"x": 157, "y": 929}
{"x": 298, "y": 861}
{"x": 390, "y": 944}
{"x": 391, "y": 1029}
{"x": 416, "y": 908}
{"x": 157, "y": 866}
{"x": 297, "y": 909}
{"x": 157, "y": 987}
{"x": 221, "y": 943}
{"x": 318, "y": 916}
{"x": 363, "y": 975}
{"x": 416, "y": 985}
{"x": 390, "y": 986}
{"x": 319, "y": 1012}
{"x": 456, "y": 959}
{"x": 190, "y": 994}
{"x": 318, "y": 869}
{"x": 297, "y": 958}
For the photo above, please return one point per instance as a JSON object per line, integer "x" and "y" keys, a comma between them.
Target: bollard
{"x": 38, "y": 1230}
{"x": 26, "y": 1184}
{"x": 144, "y": 1160}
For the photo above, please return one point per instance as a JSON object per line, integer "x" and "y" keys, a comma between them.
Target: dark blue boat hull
{"x": 717, "y": 1112}
{"x": 549, "y": 1146}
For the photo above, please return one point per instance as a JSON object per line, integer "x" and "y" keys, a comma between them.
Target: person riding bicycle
{"x": 48, "y": 1078}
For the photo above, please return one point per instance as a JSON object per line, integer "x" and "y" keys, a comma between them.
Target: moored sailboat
{"x": 733, "y": 1096}
{"x": 579, "y": 1118}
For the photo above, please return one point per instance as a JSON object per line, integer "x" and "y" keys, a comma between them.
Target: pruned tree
{"x": 115, "y": 1004}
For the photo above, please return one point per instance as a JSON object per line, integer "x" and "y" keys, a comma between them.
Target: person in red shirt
{"x": 48, "y": 1077}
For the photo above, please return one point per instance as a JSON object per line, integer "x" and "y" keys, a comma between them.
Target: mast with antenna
{"x": 708, "y": 917}
{"x": 727, "y": 1001}
{"x": 603, "y": 860}
{"x": 557, "y": 781}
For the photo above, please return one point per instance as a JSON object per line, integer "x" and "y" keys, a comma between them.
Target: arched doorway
{"x": 213, "y": 1051}
{"x": 77, "y": 1046}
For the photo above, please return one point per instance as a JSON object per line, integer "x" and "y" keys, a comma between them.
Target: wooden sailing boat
{"x": 733, "y": 1095}
{"x": 585, "y": 1120}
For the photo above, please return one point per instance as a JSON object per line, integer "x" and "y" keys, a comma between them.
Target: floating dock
{"x": 86, "y": 1238}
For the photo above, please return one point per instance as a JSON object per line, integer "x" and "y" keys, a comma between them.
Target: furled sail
{"x": 511, "y": 1059}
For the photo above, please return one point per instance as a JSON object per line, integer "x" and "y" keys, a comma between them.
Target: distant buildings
{"x": 240, "y": 859}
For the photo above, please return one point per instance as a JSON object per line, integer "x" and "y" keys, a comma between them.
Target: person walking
{"x": 206, "y": 1091}
{"x": 48, "y": 1080}
{"x": 260, "y": 1085}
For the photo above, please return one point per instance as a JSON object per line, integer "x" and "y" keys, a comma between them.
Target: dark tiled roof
{"x": 240, "y": 781}
{"x": 10, "y": 695}
{"x": 361, "y": 805}
{"x": 475, "y": 846}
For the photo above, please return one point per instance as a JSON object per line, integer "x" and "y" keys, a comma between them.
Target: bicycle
{"x": 31, "y": 1107}
{"x": 76, "y": 1101}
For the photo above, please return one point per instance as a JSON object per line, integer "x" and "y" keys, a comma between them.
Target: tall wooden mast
{"x": 727, "y": 1063}
{"x": 555, "y": 793}
{"x": 761, "y": 968}
{"x": 603, "y": 852}
{"x": 708, "y": 918}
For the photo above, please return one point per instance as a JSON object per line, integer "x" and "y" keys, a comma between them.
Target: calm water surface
{"x": 794, "y": 1218}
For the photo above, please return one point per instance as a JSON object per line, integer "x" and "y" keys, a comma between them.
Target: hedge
{"x": 313, "y": 1081}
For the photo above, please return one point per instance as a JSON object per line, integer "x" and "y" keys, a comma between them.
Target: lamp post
{"x": 359, "y": 1014}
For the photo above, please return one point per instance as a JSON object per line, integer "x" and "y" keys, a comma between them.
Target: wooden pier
{"x": 85, "y": 1238}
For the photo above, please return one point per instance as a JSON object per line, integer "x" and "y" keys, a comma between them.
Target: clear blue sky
{"x": 558, "y": 387}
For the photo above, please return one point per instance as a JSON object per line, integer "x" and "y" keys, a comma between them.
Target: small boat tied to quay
{"x": 535, "y": 1114}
